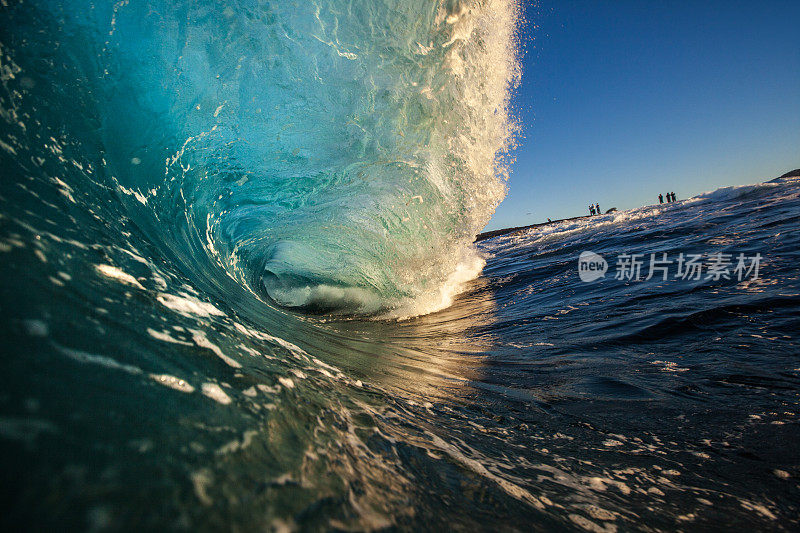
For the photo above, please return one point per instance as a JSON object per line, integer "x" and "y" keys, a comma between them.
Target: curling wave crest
{"x": 334, "y": 156}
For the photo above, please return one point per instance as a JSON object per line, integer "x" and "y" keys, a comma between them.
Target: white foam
{"x": 354, "y": 299}
{"x": 188, "y": 306}
{"x": 201, "y": 340}
{"x": 165, "y": 337}
{"x": 115, "y": 273}
{"x": 215, "y": 392}
{"x": 172, "y": 382}
{"x": 442, "y": 297}
{"x": 293, "y": 348}
{"x": 476, "y": 466}
{"x": 286, "y": 382}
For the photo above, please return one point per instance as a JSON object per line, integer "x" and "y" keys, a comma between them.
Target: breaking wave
{"x": 333, "y": 156}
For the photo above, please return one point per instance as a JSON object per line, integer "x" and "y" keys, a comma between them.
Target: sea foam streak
{"x": 336, "y": 156}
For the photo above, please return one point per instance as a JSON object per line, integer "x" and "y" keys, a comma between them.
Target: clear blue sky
{"x": 623, "y": 99}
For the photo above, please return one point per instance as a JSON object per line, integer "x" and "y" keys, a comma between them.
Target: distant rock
{"x": 793, "y": 174}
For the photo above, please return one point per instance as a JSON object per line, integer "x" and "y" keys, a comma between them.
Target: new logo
{"x": 591, "y": 266}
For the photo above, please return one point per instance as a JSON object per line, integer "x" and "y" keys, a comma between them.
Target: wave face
{"x": 336, "y": 156}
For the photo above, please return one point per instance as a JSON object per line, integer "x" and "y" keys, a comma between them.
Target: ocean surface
{"x": 238, "y": 291}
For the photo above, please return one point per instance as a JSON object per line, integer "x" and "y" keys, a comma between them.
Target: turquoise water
{"x": 239, "y": 291}
{"x": 325, "y": 155}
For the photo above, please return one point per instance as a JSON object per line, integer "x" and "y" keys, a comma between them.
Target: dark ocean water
{"x": 536, "y": 401}
{"x": 211, "y": 218}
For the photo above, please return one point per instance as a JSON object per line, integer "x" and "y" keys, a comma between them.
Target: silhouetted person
{"x": 661, "y": 198}
{"x": 673, "y": 196}
{"x": 597, "y": 206}
{"x": 591, "y": 209}
{"x": 548, "y": 220}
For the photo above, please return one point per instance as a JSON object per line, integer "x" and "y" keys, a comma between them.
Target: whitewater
{"x": 239, "y": 290}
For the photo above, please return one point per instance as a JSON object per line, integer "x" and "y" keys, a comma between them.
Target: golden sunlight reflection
{"x": 429, "y": 357}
